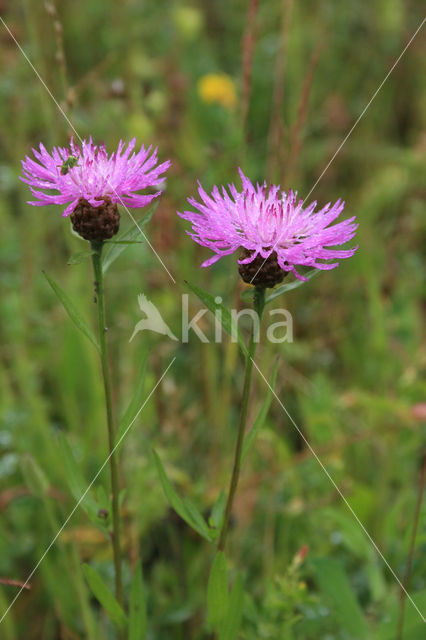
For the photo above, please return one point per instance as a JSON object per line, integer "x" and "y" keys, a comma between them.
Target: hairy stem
{"x": 259, "y": 302}
{"x": 99, "y": 288}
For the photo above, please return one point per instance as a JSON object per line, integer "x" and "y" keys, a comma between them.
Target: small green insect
{"x": 68, "y": 164}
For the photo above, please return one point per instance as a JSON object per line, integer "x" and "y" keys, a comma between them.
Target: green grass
{"x": 351, "y": 379}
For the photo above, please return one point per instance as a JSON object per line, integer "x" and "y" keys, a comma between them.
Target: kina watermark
{"x": 277, "y": 323}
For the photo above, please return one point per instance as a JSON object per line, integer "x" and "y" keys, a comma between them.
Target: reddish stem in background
{"x": 296, "y": 143}
{"x": 275, "y": 126}
{"x": 248, "y": 49}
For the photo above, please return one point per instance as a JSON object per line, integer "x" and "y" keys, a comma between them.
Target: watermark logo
{"x": 153, "y": 320}
{"x": 276, "y": 332}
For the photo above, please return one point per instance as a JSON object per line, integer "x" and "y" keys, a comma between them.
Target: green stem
{"x": 259, "y": 303}
{"x": 99, "y": 288}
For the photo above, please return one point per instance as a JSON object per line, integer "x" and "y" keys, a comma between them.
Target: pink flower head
{"x": 265, "y": 221}
{"x": 92, "y": 175}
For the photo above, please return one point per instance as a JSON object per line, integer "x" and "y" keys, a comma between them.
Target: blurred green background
{"x": 351, "y": 379}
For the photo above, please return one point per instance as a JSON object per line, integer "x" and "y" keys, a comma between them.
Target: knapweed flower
{"x": 271, "y": 228}
{"x": 91, "y": 183}
{"x": 217, "y": 88}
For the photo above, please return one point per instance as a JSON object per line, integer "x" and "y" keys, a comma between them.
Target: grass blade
{"x": 333, "y": 582}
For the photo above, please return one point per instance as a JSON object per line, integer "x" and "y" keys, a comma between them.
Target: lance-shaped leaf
{"x": 72, "y": 311}
{"x": 232, "y": 621}
{"x": 137, "y": 609}
{"x": 290, "y": 285}
{"x": 123, "y": 241}
{"x": 133, "y": 407}
{"x": 184, "y": 508}
{"x": 218, "y": 512}
{"x": 247, "y": 294}
{"x": 105, "y": 597}
{"x": 78, "y": 257}
{"x": 113, "y": 250}
{"x": 228, "y": 323}
{"x": 217, "y": 591}
{"x": 76, "y": 482}
{"x": 260, "y": 419}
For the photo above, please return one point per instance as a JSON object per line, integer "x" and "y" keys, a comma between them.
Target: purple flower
{"x": 266, "y": 222}
{"x": 90, "y": 174}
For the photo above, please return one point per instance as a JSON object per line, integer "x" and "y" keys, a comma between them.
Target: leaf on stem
{"x": 123, "y": 241}
{"x": 247, "y": 294}
{"x": 290, "y": 285}
{"x": 137, "y": 608}
{"x": 72, "y": 311}
{"x": 217, "y": 591}
{"x": 134, "y": 405}
{"x": 218, "y": 511}
{"x": 114, "y": 249}
{"x": 232, "y": 621}
{"x": 184, "y": 508}
{"x": 76, "y": 482}
{"x": 78, "y": 257}
{"x": 261, "y": 416}
{"x": 105, "y": 597}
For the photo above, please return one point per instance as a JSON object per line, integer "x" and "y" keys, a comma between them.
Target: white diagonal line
{"x": 302, "y": 435}
{"x": 52, "y": 542}
{"x": 357, "y": 121}
{"x": 81, "y": 140}
{"x": 367, "y": 106}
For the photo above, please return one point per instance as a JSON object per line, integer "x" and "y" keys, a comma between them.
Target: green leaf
{"x": 114, "y": 250}
{"x": 137, "y": 608}
{"x": 290, "y": 285}
{"x": 198, "y": 522}
{"x": 124, "y": 241}
{"x": 225, "y": 316}
{"x": 185, "y": 509}
{"x": 105, "y": 597}
{"x": 335, "y": 585}
{"x": 413, "y": 625}
{"x": 217, "y": 591}
{"x": 78, "y": 257}
{"x": 231, "y": 624}
{"x": 75, "y": 480}
{"x": 34, "y": 476}
{"x": 72, "y": 311}
{"x": 218, "y": 511}
{"x": 258, "y": 423}
{"x": 134, "y": 404}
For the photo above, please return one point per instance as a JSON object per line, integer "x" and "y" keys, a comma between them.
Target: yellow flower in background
{"x": 218, "y": 88}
